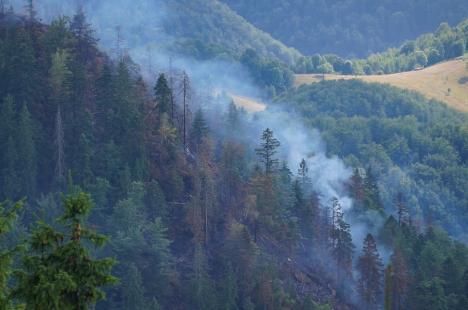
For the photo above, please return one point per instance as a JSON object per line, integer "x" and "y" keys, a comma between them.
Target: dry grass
{"x": 249, "y": 104}
{"x": 447, "y": 81}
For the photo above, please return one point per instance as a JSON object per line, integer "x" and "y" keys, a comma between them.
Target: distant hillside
{"x": 350, "y": 28}
{"x": 208, "y": 27}
{"x": 447, "y": 81}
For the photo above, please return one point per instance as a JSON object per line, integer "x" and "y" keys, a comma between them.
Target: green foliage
{"x": 393, "y": 133}
{"x": 207, "y": 27}
{"x": 427, "y": 49}
{"x": 163, "y": 95}
{"x": 59, "y": 271}
{"x": 370, "y": 267}
{"x": 267, "y": 151}
{"x": 272, "y": 75}
{"x": 7, "y": 219}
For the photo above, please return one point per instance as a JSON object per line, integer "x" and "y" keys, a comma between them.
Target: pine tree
{"x": 59, "y": 272}
{"x": 27, "y": 153}
{"x": 202, "y": 292}
{"x": 341, "y": 242}
{"x": 8, "y": 177}
{"x": 230, "y": 291}
{"x": 30, "y": 10}
{"x": 388, "y": 300}
{"x": 59, "y": 75}
{"x": 371, "y": 193}
{"x": 199, "y": 131}
{"x": 7, "y": 219}
{"x": 83, "y": 33}
{"x": 400, "y": 280}
{"x": 133, "y": 292}
{"x": 402, "y": 211}
{"x": 9, "y": 173}
{"x": 303, "y": 173}
{"x": 163, "y": 94}
{"x": 268, "y": 150}
{"x": 370, "y": 268}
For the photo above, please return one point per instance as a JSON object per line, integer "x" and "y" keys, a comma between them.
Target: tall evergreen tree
{"x": 201, "y": 287}
{"x": 59, "y": 270}
{"x": 27, "y": 153}
{"x": 163, "y": 94}
{"x": 199, "y": 130}
{"x": 9, "y": 173}
{"x": 370, "y": 269}
{"x": 8, "y": 181}
{"x": 268, "y": 150}
{"x": 133, "y": 292}
{"x": 303, "y": 173}
{"x": 7, "y": 219}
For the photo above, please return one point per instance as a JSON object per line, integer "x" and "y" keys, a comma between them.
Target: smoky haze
{"x": 140, "y": 25}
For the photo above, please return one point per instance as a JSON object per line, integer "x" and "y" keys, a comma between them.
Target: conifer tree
{"x": 201, "y": 286}
{"x": 162, "y": 94}
{"x": 59, "y": 75}
{"x": 26, "y": 153}
{"x": 199, "y": 130}
{"x": 59, "y": 271}
{"x": 8, "y": 176}
{"x": 268, "y": 150}
{"x": 133, "y": 292}
{"x": 400, "y": 280}
{"x": 9, "y": 173}
{"x": 230, "y": 291}
{"x": 7, "y": 218}
{"x": 402, "y": 211}
{"x": 303, "y": 173}
{"x": 370, "y": 268}
{"x": 342, "y": 244}
{"x": 83, "y": 33}
{"x": 388, "y": 300}
{"x": 30, "y": 10}
{"x": 371, "y": 192}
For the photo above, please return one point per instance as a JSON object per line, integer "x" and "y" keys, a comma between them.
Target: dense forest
{"x": 121, "y": 194}
{"x": 412, "y": 145}
{"x": 348, "y": 28}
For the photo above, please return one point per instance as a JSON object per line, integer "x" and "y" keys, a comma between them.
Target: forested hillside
{"x": 209, "y": 29}
{"x": 349, "y": 28}
{"x": 412, "y": 145}
{"x": 118, "y": 192}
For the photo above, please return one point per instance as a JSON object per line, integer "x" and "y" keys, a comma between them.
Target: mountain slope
{"x": 213, "y": 25}
{"x": 350, "y": 28}
{"x": 446, "y": 82}
{"x": 412, "y": 145}
{"x": 197, "y": 28}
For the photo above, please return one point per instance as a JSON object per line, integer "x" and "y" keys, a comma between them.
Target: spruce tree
{"x": 162, "y": 94}
{"x": 303, "y": 173}
{"x": 199, "y": 130}
{"x": 370, "y": 269}
{"x": 59, "y": 271}
{"x": 7, "y": 219}
{"x": 27, "y": 153}
{"x": 268, "y": 150}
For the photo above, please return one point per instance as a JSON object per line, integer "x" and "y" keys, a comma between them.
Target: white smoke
{"x": 143, "y": 36}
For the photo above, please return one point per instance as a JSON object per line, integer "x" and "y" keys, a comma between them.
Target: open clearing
{"x": 249, "y": 104}
{"x": 446, "y": 81}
